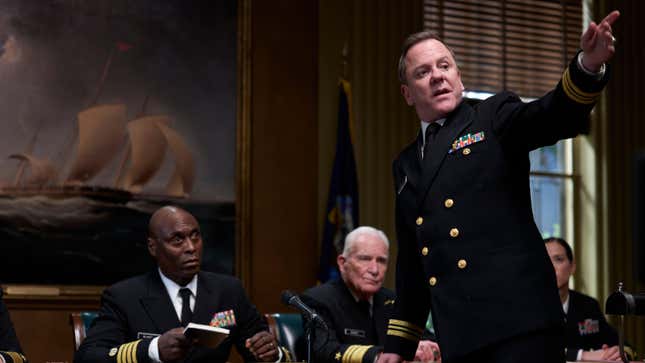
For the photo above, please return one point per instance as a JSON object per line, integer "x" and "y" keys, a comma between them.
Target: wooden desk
{"x": 40, "y": 315}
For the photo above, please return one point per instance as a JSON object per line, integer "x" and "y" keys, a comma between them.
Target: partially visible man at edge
{"x": 10, "y": 351}
{"x": 468, "y": 244}
{"x": 142, "y": 318}
{"x": 356, "y": 307}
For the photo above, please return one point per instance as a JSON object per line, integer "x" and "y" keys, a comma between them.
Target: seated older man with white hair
{"x": 357, "y": 307}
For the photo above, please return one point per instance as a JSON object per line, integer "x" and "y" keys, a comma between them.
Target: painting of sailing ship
{"x": 112, "y": 109}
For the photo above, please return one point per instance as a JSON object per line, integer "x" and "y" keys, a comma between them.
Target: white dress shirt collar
{"x": 173, "y": 292}
{"x": 565, "y": 304}
{"x": 424, "y": 126}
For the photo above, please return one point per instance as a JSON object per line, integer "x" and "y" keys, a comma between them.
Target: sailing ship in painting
{"x": 97, "y": 225}
{"x": 67, "y": 221}
{"x": 41, "y": 200}
{"x": 101, "y": 133}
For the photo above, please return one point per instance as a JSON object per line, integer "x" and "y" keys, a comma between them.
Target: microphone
{"x": 289, "y": 298}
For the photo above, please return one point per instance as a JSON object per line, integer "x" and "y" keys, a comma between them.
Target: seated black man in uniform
{"x": 141, "y": 319}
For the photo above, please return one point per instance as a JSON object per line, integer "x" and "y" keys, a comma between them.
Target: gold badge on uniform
{"x": 113, "y": 352}
{"x": 389, "y": 302}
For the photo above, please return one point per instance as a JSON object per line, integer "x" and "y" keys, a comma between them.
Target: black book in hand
{"x": 205, "y": 335}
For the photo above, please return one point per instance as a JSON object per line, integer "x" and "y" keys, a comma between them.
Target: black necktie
{"x": 186, "y": 313}
{"x": 365, "y": 308}
{"x": 431, "y": 133}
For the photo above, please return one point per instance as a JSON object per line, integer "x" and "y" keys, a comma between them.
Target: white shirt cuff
{"x": 598, "y": 75}
{"x": 579, "y": 356}
{"x": 153, "y": 350}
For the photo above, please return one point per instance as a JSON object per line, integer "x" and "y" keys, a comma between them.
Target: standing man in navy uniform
{"x": 468, "y": 245}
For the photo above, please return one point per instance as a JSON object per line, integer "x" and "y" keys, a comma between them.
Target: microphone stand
{"x": 310, "y": 332}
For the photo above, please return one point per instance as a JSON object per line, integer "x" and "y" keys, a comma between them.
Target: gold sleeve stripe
{"x": 133, "y": 351}
{"x": 403, "y": 335}
{"x": 407, "y": 333}
{"x": 287, "y": 354}
{"x": 120, "y": 354}
{"x": 400, "y": 324}
{"x": 576, "y": 93}
{"x": 15, "y": 357}
{"x": 355, "y": 353}
{"x": 128, "y": 352}
{"x": 411, "y": 332}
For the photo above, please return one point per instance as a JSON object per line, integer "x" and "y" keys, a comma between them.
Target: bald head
{"x": 163, "y": 217}
{"x": 175, "y": 242}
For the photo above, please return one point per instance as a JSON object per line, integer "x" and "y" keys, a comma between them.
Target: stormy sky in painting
{"x": 182, "y": 60}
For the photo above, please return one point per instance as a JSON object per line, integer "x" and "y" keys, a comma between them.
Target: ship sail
{"x": 101, "y": 131}
{"x": 147, "y": 151}
{"x": 181, "y": 182}
{"x": 43, "y": 172}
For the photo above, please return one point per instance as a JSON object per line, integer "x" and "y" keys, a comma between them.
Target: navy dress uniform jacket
{"x": 137, "y": 309}
{"x": 9, "y": 347}
{"x": 586, "y": 326}
{"x": 468, "y": 245}
{"x": 354, "y": 336}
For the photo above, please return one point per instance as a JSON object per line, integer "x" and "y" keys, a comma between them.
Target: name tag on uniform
{"x": 355, "y": 333}
{"x": 142, "y": 335}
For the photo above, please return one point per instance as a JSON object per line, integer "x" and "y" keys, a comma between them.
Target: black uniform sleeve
{"x": 9, "y": 347}
{"x": 405, "y": 328}
{"x": 106, "y": 339}
{"x": 561, "y": 113}
{"x": 327, "y": 347}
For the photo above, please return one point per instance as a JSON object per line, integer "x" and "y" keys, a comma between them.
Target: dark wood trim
{"x": 243, "y": 168}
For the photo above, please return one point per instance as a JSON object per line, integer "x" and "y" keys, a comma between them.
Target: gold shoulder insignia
{"x": 338, "y": 356}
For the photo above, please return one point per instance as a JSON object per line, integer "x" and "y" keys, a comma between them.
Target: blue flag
{"x": 342, "y": 204}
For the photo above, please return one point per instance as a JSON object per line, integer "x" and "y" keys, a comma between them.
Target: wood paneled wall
{"x": 373, "y": 31}
{"x": 283, "y": 151}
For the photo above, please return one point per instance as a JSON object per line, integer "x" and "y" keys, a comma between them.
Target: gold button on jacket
{"x": 448, "y": 203}
{"x": 466, "y": 151}
{"x": 462, "y": 264}
{"x": 424, "y": 251}
{"x": 419, "y": 221}
{"x": 454, "y": 232}
{"x": 432, "y": 281}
